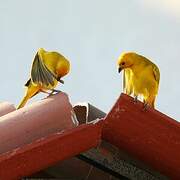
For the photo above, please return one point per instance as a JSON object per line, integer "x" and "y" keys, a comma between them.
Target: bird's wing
{"x": 127, "y": 84}
{"x": 40, "y": 74}
{"x": 156, "y": 73}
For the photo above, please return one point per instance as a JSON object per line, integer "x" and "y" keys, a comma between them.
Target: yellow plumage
{"x": 141, "y": 76}
{"x": 47, "y": 69}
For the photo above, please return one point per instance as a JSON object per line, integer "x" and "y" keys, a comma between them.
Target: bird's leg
{"x": 44, "y": 92}
{"x": 149, "y": 102}
{"x": 135, "y": 99}
{"x": 52, "y": 91}
{"x": 145, "y": 106}
{"x": 55, "y": 90}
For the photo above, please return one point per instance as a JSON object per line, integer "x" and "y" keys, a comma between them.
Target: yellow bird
{"x": 141, "y": 77}
{"x": 47, "y": 69}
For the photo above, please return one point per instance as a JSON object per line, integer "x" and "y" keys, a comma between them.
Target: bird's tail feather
{"x": 23, "y": 102}
{"x": 31, "y": 91}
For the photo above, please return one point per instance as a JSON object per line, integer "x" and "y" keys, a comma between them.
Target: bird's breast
{"x": 143, "y": 81}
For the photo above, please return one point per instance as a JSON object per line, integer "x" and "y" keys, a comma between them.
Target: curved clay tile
{"x": 38, "y": 120}
{"x": 86, "y": 112}
{"x": 6, "y": 107}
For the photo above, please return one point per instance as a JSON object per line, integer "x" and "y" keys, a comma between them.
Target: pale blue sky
{"x": 92, "y": 34}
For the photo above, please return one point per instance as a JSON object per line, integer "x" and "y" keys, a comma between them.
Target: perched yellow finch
{"x": 47, "y": 69}
{"x": 141, "y": 77}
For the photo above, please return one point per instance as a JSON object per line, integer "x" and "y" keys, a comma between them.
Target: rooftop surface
{"x": 128, "y": 142}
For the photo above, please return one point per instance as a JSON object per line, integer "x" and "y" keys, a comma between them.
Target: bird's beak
{"x": 119, "y": 69}
{"x": 61, "y": 81}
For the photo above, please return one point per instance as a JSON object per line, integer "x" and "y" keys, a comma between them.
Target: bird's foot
{"x": 135, "y": 99}
{"x": 145, "y": 106}
{"x": 44, "y": 92}
{"x": 55, "y": 90}
{"x": 52, "y": 92}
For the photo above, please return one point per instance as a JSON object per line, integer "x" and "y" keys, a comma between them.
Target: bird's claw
{"x": 54, "y": 90}
{"x": 145, "y": 106}
{"x": 135, "y": 99}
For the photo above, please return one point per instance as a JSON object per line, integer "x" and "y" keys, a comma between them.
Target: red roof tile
{"x": 6, "y": 107}
{"x": 38, "y": 120}
{"x": 150, "y": 136}
{"x": 44, "y": 152}
{"x": 42, "y": 134}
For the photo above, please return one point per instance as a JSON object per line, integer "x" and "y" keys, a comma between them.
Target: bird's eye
{"x": 123, "y": 63}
